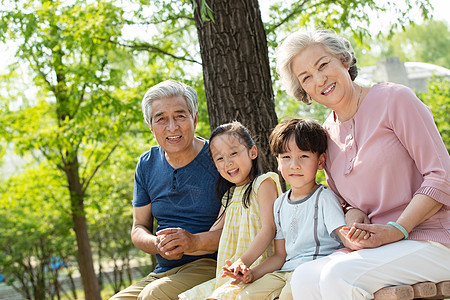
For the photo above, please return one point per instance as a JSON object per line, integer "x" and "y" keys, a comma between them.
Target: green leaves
{"x": 205, "y": 11}
{"x": 34, "y": 223}
{"x": 354, "y": 16}
{"x": 438, "y": 100}
{"x": 80, "y": 114}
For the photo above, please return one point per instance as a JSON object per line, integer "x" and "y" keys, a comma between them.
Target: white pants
{"x": 357, "y": 275}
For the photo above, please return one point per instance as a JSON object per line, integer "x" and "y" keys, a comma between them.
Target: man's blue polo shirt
{"x": 183, "y": 197}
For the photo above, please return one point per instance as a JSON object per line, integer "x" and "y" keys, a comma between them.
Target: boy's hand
{"x": 379, "y": 235}
{"x": 351, "y": 238}
{"x": 355, "y": 234}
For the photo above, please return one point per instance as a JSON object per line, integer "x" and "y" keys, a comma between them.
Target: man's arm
{"x": 177, "y": 240}
{"x": 191, "y": 244}
{"x": 141, "y": 233}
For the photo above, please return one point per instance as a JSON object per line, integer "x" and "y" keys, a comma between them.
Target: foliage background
{"x": 108, "y": 55}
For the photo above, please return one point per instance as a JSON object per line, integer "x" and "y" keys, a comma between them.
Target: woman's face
{"x": 323, "y": 76}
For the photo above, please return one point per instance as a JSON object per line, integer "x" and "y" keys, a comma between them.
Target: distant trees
{"x": 428, "y": 42}
{"x": 438, "y": 100}
{"x": 34, "y": 230}
{"x": 78, "y": 118}
{"x": 84, "y": 107}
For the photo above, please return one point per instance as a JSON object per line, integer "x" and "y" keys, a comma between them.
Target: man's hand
{"x": 174, "y": 242}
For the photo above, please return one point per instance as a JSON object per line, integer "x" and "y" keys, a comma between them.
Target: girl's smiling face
{"x": 232, "y": 159}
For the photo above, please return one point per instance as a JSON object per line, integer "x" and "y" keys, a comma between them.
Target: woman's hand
{"x": 378, "y": 235}
{"x": 354, "y": 215}
{"x": 353, "y": 234}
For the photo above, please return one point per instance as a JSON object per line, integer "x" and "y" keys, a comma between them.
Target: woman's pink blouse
{"x": 388, "y": 152}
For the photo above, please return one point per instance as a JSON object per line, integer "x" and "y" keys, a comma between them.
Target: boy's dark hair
{"x": 309, "y": 136}
{"x": 224, "y": 186}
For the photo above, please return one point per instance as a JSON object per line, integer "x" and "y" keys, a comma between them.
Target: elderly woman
{"x": 387, "y": 163}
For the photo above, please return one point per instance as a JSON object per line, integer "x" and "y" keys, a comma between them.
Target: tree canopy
{"x": 71, "y": 103}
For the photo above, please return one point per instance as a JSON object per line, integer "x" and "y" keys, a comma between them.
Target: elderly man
{"x": 174, "y": 183}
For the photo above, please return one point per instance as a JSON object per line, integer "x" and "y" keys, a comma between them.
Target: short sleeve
{"x": 272, "y": 175}
{"x": 276, "y": 216}
{"x": 140, "y": 194}
{"x": 333, "y": 214}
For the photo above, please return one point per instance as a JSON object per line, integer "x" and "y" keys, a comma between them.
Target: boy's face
{"x": 299, "y": 168}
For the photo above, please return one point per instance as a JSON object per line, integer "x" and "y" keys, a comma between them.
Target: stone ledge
{"x": 421, "y": 290}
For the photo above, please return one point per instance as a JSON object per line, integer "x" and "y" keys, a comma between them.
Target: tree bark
{"x": 71, "y": 166}
{"x": 85, "y": 261}
{"x": 236, "y": 70}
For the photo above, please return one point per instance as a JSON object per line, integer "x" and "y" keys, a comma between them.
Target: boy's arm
{"x": 343, "y": 234}
{"x": 273, "y": 263}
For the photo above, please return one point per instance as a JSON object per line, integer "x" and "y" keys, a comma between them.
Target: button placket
{"x": 174, "y": 180}
{"x": 350, "y": 149}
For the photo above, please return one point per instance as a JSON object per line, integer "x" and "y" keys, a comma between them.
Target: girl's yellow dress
{"x": 240, "y": 228}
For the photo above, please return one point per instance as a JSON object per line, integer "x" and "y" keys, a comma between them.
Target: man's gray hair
{"x": 165, "y": 89}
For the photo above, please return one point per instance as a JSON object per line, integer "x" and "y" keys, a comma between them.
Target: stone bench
{"x": 421, "y": 290}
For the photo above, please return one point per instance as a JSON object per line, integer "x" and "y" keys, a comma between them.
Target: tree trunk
{"x": 73, "y": 287}
{"x": 236, "y": 70}
{"x": 85, "y": 261}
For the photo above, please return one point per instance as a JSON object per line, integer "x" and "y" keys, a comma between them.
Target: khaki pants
{"x": 268, "y": 287}
{"x": 167, "y": 285}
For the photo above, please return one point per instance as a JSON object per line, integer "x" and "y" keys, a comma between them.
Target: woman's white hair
{"x": 165, "y": 89}
{"x": 298, "y": 41}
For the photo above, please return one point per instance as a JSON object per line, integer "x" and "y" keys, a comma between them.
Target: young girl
{"x": 246, "y": 217}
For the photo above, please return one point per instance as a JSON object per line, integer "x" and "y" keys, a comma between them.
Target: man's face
{"x": 172, "y": 124}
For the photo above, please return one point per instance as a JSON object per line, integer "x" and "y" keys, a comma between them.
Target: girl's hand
{"x": 237, "y": 270}
{"x": 238, "y": 267}
{"x": 248, "y": 276}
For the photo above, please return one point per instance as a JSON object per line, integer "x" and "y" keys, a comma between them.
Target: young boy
{"x": 307, "y": 217}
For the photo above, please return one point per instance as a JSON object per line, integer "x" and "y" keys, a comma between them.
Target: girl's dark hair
{"x": 308, "y": 134}
{"x": 223, "y": 186}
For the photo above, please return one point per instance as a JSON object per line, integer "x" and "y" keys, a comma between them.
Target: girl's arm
{"x": 266, "y": 195}
{"x": 215, "y": 229}
{"x": 273, "y": 263}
